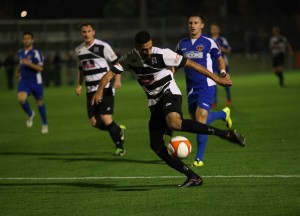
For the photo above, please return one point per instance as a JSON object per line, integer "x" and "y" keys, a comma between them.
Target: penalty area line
{"x": 141, "y": 177}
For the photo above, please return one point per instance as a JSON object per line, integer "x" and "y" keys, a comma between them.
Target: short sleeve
{"x": 214, "y": 50}
{"x": 172, "y": 58}
{"x": 109, "y": 54}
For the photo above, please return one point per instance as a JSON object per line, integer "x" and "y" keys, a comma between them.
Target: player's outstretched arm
{"x": 97, "y": 98}
{"x": 199, "y": 68}
{"x": 118, "y": 83}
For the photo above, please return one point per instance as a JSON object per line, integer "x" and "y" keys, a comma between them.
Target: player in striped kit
{"x": 29, "y": 71}
{"x": 200, "y": 89}
{"x": 149, "y": 65}
{"x": 93, "y": 57}
{"x": 278, "y": 46}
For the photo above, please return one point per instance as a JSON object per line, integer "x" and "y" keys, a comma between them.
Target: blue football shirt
{"x": 200, "y": 50}
{"x": 27, "y": 73}
{"x": 222, "y": 42}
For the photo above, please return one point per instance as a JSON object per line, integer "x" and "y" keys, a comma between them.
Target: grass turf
{"x": 55, "y": 170}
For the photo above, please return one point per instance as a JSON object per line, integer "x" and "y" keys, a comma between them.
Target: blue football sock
{"x": 26, "y": 108}
{"x": 227, "y": 89}
{"x": 201, "y": 138}
{"x": 212, "y": 116}
{"x": 42, "y": 110}
{"x": 201, "y": 145}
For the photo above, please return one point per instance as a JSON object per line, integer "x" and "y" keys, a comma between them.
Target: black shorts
{"x": 278, "y": 60}
{"x": 105, "y": 107}
{"x": 167, "y": 104}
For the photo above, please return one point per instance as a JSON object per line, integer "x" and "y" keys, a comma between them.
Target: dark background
{"x": 59, "y": 9}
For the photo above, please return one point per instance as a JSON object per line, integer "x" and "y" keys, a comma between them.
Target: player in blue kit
{"x": 201, "y": 89}
{"x": 226, "y": 49}
{"x": 29, "y": 72}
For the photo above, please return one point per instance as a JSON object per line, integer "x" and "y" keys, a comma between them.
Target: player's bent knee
{"x": 106, "y": 119}
{"x": 21, "y": 101}
{"x": 175, "y": 125}
{"x": 93, "y": 122}
{"x": 97, "y": 123}
{"x": 22, "y": 98}
{"x": 39, "y": 103}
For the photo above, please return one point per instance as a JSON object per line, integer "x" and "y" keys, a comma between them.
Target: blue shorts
{"x": 201, "y": 97}
{"x": 31, "y": 87}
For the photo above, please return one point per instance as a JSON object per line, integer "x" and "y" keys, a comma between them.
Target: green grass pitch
{"x": 71, "y": 170}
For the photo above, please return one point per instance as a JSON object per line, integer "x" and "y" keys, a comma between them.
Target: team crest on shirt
{"x": 96, "y": 49}
{"x": 200, "y": 47}
{"x": 154, "y": 60}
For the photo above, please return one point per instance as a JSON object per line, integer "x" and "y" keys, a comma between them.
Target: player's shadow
{"x": 109, "y": 160}
{"x": 45, "y": 154}
{"x": 85, "y": 157}
{"x": 90, "y": 185}
{"x": 77, "y": 184}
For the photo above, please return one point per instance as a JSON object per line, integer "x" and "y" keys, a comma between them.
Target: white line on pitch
{"x": 144, "y": 177}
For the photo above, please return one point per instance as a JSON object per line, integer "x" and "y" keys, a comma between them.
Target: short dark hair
{"x": 142, "y": 37}
{"x": 215, "y": 24}
{"x": 28, "y": 33}
{"x": 86, "y": 24}
{"x": 196, "y": 14}
{"x": 276, "y": 28}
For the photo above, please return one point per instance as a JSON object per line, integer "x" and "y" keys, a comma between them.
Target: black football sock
{"x": 115, "y": 133}
{"x": 280, "y": 77}
{"x": 176, "y": 163}
{"x": 199, "y": 128}
{"x": 100, "y": 125}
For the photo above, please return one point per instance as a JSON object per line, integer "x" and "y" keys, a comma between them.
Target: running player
{"x": 29, "y": 71}
{"x": 93, "y": 57}
{"x": 149, "y": 65}
{"x": 200, "y": 89}
{"x": 278, "y": 46}
{"x": 226, "y": 49}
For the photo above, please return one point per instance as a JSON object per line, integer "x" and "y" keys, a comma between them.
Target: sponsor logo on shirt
{"x": 193, "y": 54}
{"x": 89, "y": 64}
{"x": 147, "y": 79}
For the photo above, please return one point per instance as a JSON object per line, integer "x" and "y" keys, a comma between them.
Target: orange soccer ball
{"x": 179, "y": 147}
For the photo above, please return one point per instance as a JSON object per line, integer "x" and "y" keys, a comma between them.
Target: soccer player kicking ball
{"x": 150, "y": 67}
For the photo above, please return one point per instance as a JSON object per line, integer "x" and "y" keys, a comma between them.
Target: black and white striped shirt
{"x": 92, "y": 61}
{"x": 152, "y": 74}
{"x": 278, "y": 45}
